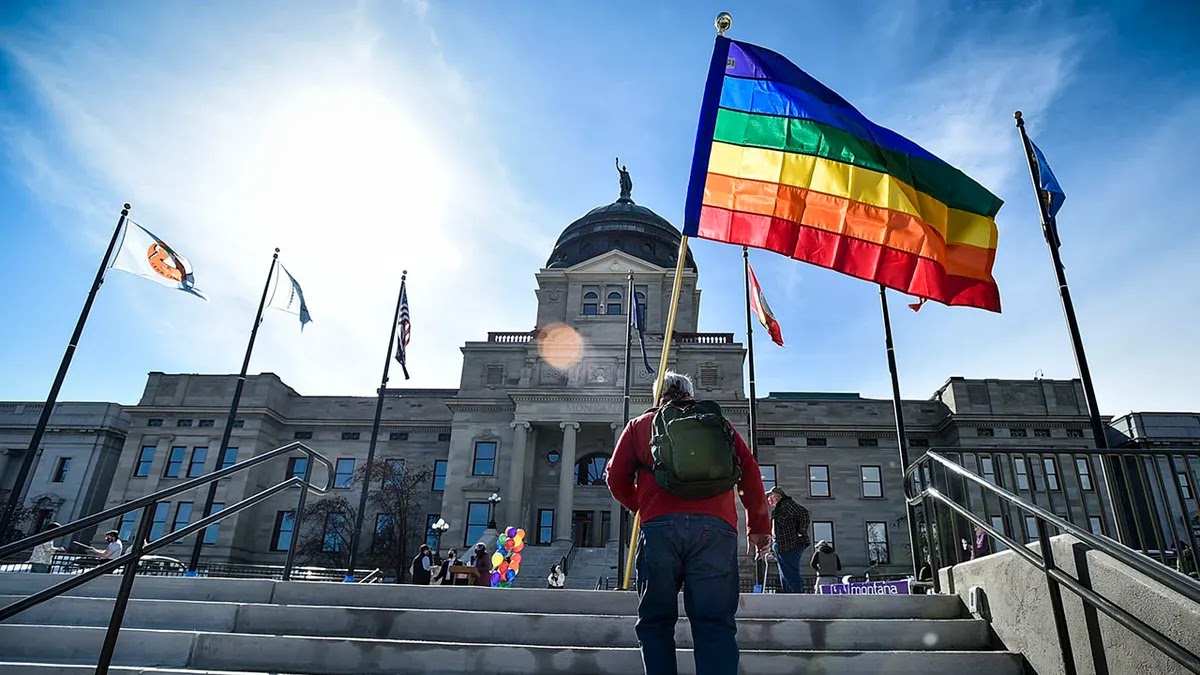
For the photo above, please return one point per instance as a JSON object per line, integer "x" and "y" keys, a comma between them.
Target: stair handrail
{"x": 1055, "y": 577}
{"x": 141, "y": 547}
{"x": 372, "y": 576}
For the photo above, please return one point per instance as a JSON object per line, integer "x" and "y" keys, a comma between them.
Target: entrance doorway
{"x": 581, "y": 528}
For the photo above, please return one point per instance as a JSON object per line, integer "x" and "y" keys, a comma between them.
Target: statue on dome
{"x": 626, "y": 181}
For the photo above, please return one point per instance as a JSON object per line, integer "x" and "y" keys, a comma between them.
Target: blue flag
{"x": 1053, "y": 192}
{"x": 638, "y": 319}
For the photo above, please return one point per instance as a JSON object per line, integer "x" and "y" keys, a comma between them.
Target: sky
{"x": 456, "y": 139}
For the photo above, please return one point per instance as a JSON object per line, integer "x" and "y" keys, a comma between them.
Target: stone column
{"x": 616, "y": 506}
{"x": 566, "y": 483}
{"x": 516, "y": 477}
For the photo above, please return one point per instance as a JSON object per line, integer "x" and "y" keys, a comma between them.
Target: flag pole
{"x": 1050, "y": 232}
{"x": 901, "y": 433}
{"x": 362, "y": 497}
{"x": 229, "y": 419}
{"x": 750, "y": 356}
{"x": 18, "y": 489}
{"x": 633, "y": 307}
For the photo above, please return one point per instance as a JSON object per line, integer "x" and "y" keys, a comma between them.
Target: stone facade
{"x": 74, "y": 466}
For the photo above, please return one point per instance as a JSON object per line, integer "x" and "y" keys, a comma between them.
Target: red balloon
{"x": 508, "y": 545}
{"x": 518, "y": 549}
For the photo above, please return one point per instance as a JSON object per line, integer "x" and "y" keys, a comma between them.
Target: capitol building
{"x": 534, "y": 419}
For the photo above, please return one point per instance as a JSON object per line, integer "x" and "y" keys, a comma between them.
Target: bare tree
{"x": 22, "y": 520}
{"x": 324, "y": 536}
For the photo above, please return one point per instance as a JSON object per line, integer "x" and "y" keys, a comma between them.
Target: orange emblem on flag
{"x": 164, "y": 262}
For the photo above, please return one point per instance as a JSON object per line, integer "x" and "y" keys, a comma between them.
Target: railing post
{"x": 291, "y": 554}
{"x": 1056, "y": 603}
{"x": 122, "y": 599}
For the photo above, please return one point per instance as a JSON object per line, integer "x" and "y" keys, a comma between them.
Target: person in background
{"x": 982, "y": 545}
{"x": 826, "y": 563}
{"x": 43, "y": 554}
{"x": 1185, "y": 561}
{"x": 422, "y": 566}
{"x": 482, "y": 565}
{"x": 444, "y": 577}
{"x": 789, "y": 530}
{"x": 112, "y": 550}
{"x": 557, "y": 578}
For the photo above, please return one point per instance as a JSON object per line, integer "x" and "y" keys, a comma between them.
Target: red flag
{"x": 758, "y": 304}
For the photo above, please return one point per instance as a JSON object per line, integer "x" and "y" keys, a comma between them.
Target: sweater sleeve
{"x": 750, "y": 487}
{"x": 622, "y": 468}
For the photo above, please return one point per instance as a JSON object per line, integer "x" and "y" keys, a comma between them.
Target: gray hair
{"x": 675, "y": 386}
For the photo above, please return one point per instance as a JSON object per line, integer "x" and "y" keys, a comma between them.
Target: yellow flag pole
{"x": 662, "y": 371}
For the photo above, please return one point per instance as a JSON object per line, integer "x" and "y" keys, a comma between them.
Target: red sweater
{"x": 632, "y": 483}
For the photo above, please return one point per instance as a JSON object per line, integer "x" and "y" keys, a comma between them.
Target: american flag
{"x": 404, "y": 329}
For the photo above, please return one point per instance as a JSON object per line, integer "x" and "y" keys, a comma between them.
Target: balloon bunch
{"x": 506, "y": 561}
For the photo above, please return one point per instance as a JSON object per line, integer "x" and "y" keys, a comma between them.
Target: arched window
{"x": 640, "y": 299}
{"x": 591, "y": 303}
{"x": 613, "y": 306}
{"x": 590, "y": 470}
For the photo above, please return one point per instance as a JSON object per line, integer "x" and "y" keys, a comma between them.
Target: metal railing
{"x": 934, "y": 475}
{"x": 140, "y": 546}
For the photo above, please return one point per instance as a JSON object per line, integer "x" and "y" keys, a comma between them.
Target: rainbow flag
{"x": 785, "y": 164}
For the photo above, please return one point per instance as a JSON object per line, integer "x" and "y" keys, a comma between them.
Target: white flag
{"x": 147, "y": 256}
{"x": 287, "y": 296}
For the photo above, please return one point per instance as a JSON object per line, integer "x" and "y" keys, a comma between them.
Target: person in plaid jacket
{"x": 789, "y": 533}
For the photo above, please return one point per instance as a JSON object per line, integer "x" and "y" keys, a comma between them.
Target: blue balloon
{"x": 510, "y": 575}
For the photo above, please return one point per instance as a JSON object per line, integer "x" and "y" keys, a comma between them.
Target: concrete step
{"x": 512, "y": 628}
{"x": 21, "y": 668}
{"x": 545, "y": 601}
{"x": 341, "y": 656}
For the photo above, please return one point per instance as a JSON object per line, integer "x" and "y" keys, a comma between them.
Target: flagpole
{"x": 1050, "y": 232}
{"x": 750, "y": 355}
{"x": 362, "y": 497}
{"x": 633, "y": 307}
{"x": 18, "y": 489}
{"x": 229, "y": 419}
{"x": 901, "y": 433}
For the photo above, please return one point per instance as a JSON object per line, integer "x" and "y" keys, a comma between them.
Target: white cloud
{"x": 355, "y": 155}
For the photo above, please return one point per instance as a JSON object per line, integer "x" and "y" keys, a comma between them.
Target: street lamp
{"x": 439, "y": 528}
{"x": 492, "y": 502}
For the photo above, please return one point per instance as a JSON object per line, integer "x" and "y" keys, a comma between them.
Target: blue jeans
{"x": 789, "y": 568}
{"x": 699, "y": 554}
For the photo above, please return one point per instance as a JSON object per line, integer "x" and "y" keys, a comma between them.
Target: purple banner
{"x": 867, "y": 588}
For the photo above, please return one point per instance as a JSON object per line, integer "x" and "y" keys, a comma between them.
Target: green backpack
{"x": 694, "y": 453}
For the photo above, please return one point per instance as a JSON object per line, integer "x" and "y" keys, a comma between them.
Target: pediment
{"x": 615, "y": 262}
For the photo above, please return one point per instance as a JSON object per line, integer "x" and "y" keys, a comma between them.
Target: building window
{"x": 351, "y": 435}
{"x": 918, "y": 442}
{"x": 228, "y": 458}
{"x": 998, "y": 525}
{"x": 591, "y": 304}
{"x": 398, "y": 436}
{"x": 868, "y": 442}
{"x": 1096, "y": 525}
{"x": 985, "y": 432}
{"x": 159, "y": 522}
{"x": 145, "y": 460}
{"x": 238, "y": 424}
{"x": 285, "y": 525}
{"x": 1074, "y": 433}
{"x": 302, "y": 436}
{"x": 1030, "y": 529}
{"x": 988, "y": 466}
{"x": 872, "y": 482}
{"x": 1084, "y": 469}
{"x": 60, "y": 469}
{"x": 1050, "y": 468}
{"x": 768, "y": 475}
{"x": 1185, "y": 485}
{"x": 394, "y": 477}
{"x": 553, "y": 456}
{"x": 183, "y": 516}
{"x": 1017, "y": 433}
{"x": 545, "y": 526}
{"x": 183, "y": 423}
{"x": 125, "y": 526}
{"x": 818, "y": 481}
{"x": 590, "y": 470}
{"x": 815, "y": 442}
{"x": 439, "y": 475}
{"x": 823, "y": 531}
{"x": 385, "y": 532}
{"x": 766, "y": 440}
{"x": 207, "y": 424}
{"x": 1041, "y": 433}
{"x": 344, "y": 474}
{"x": 640, "y": 298}
{"x": 494, "y": 376}
{"x": 877, "y": 544}
{"x": 484, "y": 463}
{"x": 477, "y": 520}
{"x": 210, "y": 532}
{"x": 710, "y": 376}
{"x": 1022, "y": 470}
{"x": 333, "y": 539}
{"x": 196, "y": 466}
{"x": 613, "y": 305}
{"x": 297, "y": 466}
{"x": 154, "y": 422}
{"x": 175, "y": 462}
